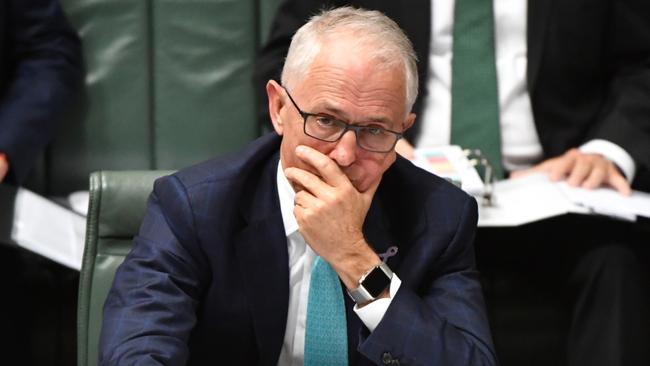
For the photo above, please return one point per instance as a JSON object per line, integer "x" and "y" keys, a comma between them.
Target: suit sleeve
{"x": 42, "y": 71}
{"x": 441, "y": 321}
{"x": 626, "y": 120}
{"x": 151, "y": 308}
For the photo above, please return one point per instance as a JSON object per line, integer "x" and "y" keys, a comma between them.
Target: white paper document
{"x": 606, "y": 201}
{"x": 535, "y": 197}
{"x": 48, "y": 229}
{"x": 524, "y": 200}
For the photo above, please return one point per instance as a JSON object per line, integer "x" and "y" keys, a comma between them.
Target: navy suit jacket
{"x": 40, "y": 73}
{"x": 207, "y": 280}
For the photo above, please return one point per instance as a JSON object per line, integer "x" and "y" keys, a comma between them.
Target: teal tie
{"x": 326, "y": 335}
{"x": 474, "y": 93}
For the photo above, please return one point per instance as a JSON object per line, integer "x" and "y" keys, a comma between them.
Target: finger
{"x": 559, "y": 168}
{"x": 306, "y": 180}
{"x": 581, "y": 169}
{"x": 305, "y": 199}
{"x": 617, "y": 181}
{"x": 522, "y": 173}
{"x": 580, "y": 172}
{"x": 544, "y": 167}
{"x": 596, "y": 177}
{"x": 325, "y": 166}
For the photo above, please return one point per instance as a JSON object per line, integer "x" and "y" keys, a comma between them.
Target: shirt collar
{"x": 287, "y": 196}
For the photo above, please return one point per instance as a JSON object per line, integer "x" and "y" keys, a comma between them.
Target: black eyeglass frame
{"x": 348, "y": 127}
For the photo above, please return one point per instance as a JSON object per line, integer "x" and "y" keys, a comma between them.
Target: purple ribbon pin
{"x": 389, "y": 253}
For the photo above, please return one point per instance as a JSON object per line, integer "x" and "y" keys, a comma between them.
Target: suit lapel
{"x": 261, "y": 249}
{"x": 538, "y": 19}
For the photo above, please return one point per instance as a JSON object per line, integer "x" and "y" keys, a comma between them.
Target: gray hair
{"x": 392, "y": 46}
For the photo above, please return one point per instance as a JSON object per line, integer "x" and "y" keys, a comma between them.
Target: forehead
{"x": 344, "y": 77}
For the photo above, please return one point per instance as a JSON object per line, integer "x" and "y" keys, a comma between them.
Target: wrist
{"x": 351, "y": 267}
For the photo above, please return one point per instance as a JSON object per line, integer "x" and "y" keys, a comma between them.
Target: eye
{"x": 374, "y": 130}
{"x": 325, "y": 121}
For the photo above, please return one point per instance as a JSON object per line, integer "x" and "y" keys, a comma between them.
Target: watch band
{"x": 372, "y": 284}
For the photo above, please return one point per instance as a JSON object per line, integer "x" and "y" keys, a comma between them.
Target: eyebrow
{"x": 333, "y": 111}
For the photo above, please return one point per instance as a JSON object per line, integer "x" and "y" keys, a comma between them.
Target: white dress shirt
{"x": 520, "y": 143}
{"x": 301, "y": 260}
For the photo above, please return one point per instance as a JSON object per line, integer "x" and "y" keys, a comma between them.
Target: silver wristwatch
{"x": 372, "y": 284}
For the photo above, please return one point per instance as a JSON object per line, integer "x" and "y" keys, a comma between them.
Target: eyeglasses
{"x": 328, "y": 129}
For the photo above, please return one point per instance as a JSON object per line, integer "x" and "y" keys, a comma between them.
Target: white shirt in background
{"x": 520, "y": 145}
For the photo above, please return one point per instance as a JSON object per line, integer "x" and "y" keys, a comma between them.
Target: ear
{"x": 274, "y": 92}
{"x": 410, "y": 119}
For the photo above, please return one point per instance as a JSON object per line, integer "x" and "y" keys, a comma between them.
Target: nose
{"x": 345, "y": 151}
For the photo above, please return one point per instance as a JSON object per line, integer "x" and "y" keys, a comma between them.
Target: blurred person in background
{"x": 40, "y": 77}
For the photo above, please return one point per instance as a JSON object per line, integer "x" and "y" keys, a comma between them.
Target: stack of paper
{"x": 44, "y": 227}
{"x": 606, "y": 201}
{"x": 535, "y": 197}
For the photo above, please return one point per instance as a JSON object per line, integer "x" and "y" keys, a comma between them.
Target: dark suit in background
{"x": 40, "y": 74}
{"x": 588, "y": 67}
{"x": 589, "y": 78}
{"x": 208, "y": 277}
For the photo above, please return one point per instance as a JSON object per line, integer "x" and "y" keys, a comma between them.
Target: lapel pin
{"x": 389, "y": 253}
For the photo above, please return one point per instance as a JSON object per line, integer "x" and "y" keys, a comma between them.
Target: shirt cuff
{"x": 613, "y": 153}
{"x": 372, "y": 313}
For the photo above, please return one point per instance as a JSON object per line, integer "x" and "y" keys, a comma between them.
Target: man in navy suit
{"x": 574, "y": 86}
{"x": 220, "y": 269}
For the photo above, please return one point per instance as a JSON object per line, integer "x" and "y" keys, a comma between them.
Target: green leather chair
{"x": 168, "y": 84}
{"x": 117, "y": 206}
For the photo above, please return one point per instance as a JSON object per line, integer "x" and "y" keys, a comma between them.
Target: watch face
{"x": 376, "y": 282}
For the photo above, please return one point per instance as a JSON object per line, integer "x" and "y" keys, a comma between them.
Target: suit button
{"x": 387, "y": 358}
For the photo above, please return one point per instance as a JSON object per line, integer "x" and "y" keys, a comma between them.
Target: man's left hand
{"x": 581, "y": 170}
{"x": 330, "y": 214}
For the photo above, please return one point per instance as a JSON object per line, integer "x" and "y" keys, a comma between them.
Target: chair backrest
{"x": 168, "y": 83}
{"x": 117, "y": 206}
